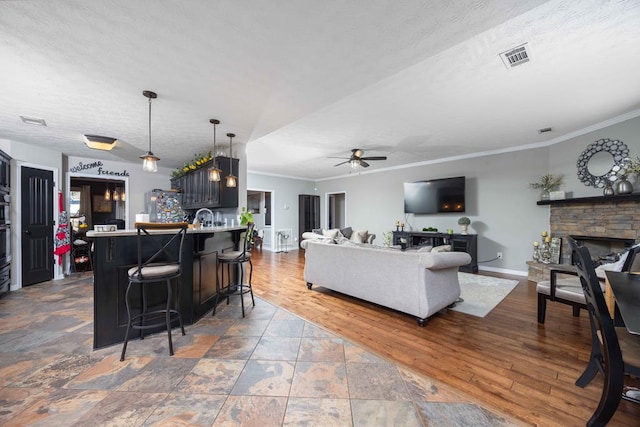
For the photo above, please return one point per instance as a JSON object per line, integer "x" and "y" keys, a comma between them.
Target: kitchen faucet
{"x": 206, "y": 221}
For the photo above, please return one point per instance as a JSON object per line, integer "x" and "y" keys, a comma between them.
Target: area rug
{"x": 482, "y": 294}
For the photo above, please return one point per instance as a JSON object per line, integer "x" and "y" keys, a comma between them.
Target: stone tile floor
{"x": 271, "y": 368}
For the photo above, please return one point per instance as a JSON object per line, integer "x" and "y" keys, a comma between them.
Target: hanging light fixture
{"x": 231, "y": 179}
{"x": 116, "y": 195}
{"x": 214, "y": 172}
{"x": 107, "y": 193}
{"x": 149, "y": 161}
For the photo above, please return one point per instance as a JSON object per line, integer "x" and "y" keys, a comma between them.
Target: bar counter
{"x": 115, "y": 252}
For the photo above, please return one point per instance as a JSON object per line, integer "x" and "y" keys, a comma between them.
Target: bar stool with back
{"x": 163, "y": 265}
{"x": 237, "y": 259}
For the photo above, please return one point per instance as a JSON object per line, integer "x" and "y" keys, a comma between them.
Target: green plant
{"x": 548, "y": 182}
{"x": 464, "y": 221}
{"x": 632, "y": 166}
{"x": 245, "y": 216}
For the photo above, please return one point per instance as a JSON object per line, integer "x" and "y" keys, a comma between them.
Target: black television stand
{"x": 459, "y": 243}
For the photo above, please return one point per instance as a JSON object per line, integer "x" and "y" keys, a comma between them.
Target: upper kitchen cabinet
{"x": 5, "y": 172}
{"x": 198, "y": 192}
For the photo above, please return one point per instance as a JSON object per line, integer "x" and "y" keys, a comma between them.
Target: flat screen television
{"x": 435, "y": 196}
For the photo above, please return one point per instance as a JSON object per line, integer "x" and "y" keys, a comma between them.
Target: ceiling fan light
{"x": 354, "y": 164}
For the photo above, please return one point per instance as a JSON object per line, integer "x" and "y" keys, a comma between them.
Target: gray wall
{"x": 501, "y": 205}
{"x": 285, "y": 195}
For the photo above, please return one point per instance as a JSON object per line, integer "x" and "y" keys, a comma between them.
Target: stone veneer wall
{"x": 619, "y": 219}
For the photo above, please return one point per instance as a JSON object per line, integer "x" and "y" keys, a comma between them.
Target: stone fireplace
{"x": 606, "y": 225}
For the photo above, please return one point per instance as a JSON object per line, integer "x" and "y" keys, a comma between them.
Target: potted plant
{"x": 245, "y": 216}
{"x": 464, "y": 224}
{"x": 547, "y": 182}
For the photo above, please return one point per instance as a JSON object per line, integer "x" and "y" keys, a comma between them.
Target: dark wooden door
{"x": 308, "y": 213}
{"x": 37, "y": 225}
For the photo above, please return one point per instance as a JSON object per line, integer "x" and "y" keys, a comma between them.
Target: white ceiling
{"x": 302, "y": 80}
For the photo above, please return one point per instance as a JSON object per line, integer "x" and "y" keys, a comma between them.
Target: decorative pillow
{"x": 360, "y": 236}
{"x": 346, "y": 232}
{"x": 341, "y": 240}
{"x": 317, "y": 230}
{"x": 426, "y": 249}
{"x": 333, "y": 233}
{"x": 442, "y": 248}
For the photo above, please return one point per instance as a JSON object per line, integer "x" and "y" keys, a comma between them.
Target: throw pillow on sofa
{"x": 346, "y": 232}
{"x": 360, "y": 236}
{"x": 332, "y": 234}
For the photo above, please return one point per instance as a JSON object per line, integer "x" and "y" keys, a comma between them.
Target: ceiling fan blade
{"x": 344, "y": 158}
{"x": 342, "y": 163}
{"x": 374, "y": 158}
{"x": 364, "y": 164}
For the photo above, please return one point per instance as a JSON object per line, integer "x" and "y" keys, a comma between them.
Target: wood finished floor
{"x": 505, "y": 360}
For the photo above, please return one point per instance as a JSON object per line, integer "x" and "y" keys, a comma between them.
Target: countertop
{"x": 133, "y": 231}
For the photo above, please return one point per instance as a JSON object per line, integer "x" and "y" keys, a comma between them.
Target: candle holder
{"x": 545, "y": 253}
{"x": 536, "y": 254}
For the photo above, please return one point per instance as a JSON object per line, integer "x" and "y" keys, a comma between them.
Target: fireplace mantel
{"x": 593, "y": 200}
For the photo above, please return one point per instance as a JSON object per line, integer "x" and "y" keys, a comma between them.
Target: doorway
{"x": 36, "y": 225}
{"x": 260, "y": 203}
{"x": 336, "y": 210}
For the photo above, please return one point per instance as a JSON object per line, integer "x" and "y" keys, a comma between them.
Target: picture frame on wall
{"x": 101, "y": 205}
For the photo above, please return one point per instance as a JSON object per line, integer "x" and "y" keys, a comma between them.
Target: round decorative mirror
{"x": 601, "y": 162}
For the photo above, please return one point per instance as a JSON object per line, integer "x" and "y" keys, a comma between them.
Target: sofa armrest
{"x": 441, "y": 260}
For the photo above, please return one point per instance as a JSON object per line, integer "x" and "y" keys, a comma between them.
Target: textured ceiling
{"x": 300, "y": 81}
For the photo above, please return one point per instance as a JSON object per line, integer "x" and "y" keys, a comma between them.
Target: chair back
{"x": 247, "y": 241}
{"x": 165, "y": 250}
{"x": 632, "y": 261}
{"x": 602, "y": 327}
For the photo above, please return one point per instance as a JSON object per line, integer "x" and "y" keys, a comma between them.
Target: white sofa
{"x": 416, "y": 283}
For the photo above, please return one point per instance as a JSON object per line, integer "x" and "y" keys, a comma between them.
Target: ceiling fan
{"x": 356, "y": 159}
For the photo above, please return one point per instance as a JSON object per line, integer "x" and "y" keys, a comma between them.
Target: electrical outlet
{"x": 499, "y": 255}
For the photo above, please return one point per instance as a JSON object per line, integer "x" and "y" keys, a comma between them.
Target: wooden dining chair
{"x": 614, "y": 351}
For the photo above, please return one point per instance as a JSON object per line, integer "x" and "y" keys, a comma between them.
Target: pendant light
{"x": 149, "y": 161}
{"x": 116, "y": 195}
{"x": 107, "y": 193}
{"x": 214, "y": 172}
{"x": 231, "y": 179}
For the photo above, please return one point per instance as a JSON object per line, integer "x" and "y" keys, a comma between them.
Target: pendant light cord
{"x": 150, "y": 125}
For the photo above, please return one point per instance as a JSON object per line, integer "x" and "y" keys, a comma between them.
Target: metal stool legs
{"x": 240, "y": 288}
{"x": 169, "y": 315}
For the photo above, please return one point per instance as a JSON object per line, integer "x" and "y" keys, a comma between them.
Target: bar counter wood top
{"x": 116, "y": 251}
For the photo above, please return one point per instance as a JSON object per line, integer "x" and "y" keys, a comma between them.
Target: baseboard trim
{"x": 504, "y": 271}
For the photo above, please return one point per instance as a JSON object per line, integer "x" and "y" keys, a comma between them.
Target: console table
{"x": 459, "y": 243}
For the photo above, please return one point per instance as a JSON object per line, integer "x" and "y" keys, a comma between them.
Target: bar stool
{"x": 236, "y": 260}
{"x": 164, "y": 265}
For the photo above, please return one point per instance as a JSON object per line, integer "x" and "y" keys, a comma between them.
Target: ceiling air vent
{"x": 33, "y": 121}
{"x": 516, "y": 56}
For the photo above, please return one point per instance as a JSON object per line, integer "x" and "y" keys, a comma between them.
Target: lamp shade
{"x": 149, "y": 161}
{"x": 214, "y": 172}
{"x": 231, "y": 180}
